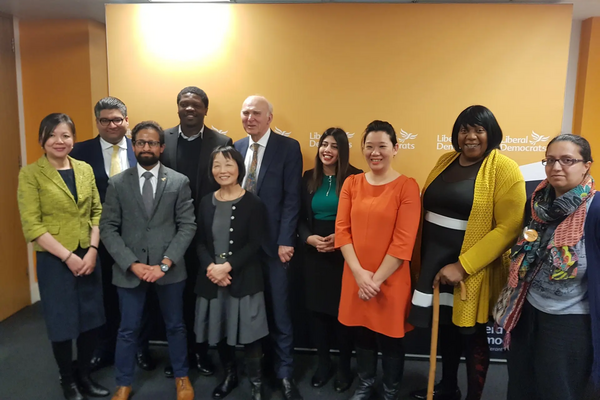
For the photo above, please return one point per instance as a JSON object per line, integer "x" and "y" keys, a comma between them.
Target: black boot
{"x": 70, "y": 390}
{"x": 367, "y": 370}
{"x": 254, "y": 371}
{"x": 228, "y": 384}
{"x": 393, "y": 369}
{"x": 343, "y": 378}
{"x": 89, "y": 387}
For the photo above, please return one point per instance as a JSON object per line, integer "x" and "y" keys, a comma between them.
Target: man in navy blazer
{"x": 109, "y": 153}
{"x": 274, "y": 173}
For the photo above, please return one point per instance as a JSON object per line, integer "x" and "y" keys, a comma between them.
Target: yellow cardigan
{"x": 47, "y": 205}
{"x": 495, "y": 221}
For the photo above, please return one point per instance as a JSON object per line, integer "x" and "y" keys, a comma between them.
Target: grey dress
{"x": 240, "y": 320}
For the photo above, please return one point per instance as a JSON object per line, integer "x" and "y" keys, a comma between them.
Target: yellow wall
{"x": 586, "y": 113}
{"x": 322, "y": 65}
{"x": 64, "y": 70}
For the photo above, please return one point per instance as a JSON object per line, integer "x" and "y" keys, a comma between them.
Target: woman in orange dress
{"x": 376, "y": 226}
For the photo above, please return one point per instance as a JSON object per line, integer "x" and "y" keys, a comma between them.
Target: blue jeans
{"x": 131, "y": 303}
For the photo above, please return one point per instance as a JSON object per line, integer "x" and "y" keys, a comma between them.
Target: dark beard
{"x": 146, "y": 160}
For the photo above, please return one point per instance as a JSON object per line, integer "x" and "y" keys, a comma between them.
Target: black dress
{"x": 450, "y": 195}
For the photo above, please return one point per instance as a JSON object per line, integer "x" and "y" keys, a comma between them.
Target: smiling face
{"x": 225, "y": 170}
{"x": 473, "y": 142}
{"x": 256, "y": 117}
{"x": 328, "y": 151}
{"x": 60, "y": 142}
{"x": 565, "y": 177}
{"x": 191, "y": 110}
{"x": 379, "y": 151}
{"x": 112, "y": 125}
{"x": 147, "y": 147}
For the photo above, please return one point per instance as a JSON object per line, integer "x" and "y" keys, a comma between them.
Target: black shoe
{"x": 322, "y": 374}
{"x": 228, "y": 384}
{"x": 289, "y": 389}
{"x": 343, "y": 380}
{"x": 203, "y": 363}
{"x": 99, "y": 362}
{"x": 366, "y": 361}
{"x": 169, "y": 372}
{"x": 254, "y": 372}
{"x": 439, "y": 393}
{"x": 144, "y": 360}
{"x": 89, "y": 387}
{"x": 71, "y": 391}
{"x": 393, "y": 368}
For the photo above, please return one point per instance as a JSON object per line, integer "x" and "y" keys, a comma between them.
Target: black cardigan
{"x": 246, "y": 235}
{"x": 305, "y": 223}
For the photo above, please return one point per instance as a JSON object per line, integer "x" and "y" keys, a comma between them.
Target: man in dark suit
{"x": 187, "y": 150}
{"x": 147, "y": 224}
{"x": 274, "y": 173}
{"x": 110, "y": 153}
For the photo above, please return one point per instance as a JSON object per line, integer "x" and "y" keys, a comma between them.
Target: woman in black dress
{"x": 324, "y": 265}
{"x": 60, "y": 211}
{"x": 230, "y": 309}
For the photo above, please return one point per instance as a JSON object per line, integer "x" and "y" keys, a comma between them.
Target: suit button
{"x": 231, "y": 242}
{"x": 230, "y": 229}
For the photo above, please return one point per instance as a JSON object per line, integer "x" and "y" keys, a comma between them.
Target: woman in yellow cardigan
{"x": 60, "y": 211}
{"x": 472, "y": 202}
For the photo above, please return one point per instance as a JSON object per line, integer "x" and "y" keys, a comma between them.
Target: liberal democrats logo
{"x": 528, "y": 143}
{"x": 218, "y": 130}
{"x": 282, "y": 133}
{"x": 405, "y": 138}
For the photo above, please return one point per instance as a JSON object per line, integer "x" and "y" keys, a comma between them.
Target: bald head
{"x": 257, "y": 114}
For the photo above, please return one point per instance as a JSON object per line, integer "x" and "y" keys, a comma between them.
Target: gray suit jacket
{"x": 130, "y": 235}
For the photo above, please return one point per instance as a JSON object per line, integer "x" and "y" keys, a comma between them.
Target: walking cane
{"x": 434, "y": 334}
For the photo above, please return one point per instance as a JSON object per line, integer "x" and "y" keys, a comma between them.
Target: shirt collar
{"x": 105, "y": 145}
{"x": 262, "y": 141}
{"x": 190, "y": 138}
{"x": 153, "y": 171}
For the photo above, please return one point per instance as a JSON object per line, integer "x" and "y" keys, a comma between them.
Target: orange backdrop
{"x": 414, "y": 65}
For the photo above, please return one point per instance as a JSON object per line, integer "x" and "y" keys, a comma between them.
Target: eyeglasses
{"x": 565, "y": 162}
{"x": 140, "y": 144}
{"x": 106, "y": 121}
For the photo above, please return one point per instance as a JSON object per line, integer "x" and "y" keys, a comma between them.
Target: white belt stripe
{"x": 426, "y": 300}
{"x": 446, "y": 222}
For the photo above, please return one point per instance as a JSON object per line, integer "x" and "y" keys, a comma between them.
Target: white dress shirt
{"x": 107, "y": 152}
{"x": 190, "y": 138}
{"x": 250, "y": 153}
{"x": 153, "y": 180}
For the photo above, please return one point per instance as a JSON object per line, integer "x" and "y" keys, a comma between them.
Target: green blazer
{"x": 47, "y": 205}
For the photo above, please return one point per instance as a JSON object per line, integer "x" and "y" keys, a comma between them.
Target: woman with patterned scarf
{"x": 550, "y": 308}
{"x": 468, "y": 226}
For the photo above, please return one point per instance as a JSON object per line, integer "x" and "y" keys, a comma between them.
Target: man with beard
{"x": 147, "y": 224}
{"x": 187, "y": 150}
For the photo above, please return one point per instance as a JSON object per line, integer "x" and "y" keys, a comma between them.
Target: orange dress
{"x": 378, "y": 220}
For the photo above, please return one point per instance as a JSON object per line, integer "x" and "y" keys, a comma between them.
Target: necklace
{"x": 222, "y": 198}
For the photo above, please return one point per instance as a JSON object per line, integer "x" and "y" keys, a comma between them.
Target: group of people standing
{"x": 208, "y": 228}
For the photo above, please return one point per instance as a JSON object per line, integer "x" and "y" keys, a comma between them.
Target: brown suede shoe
{"x": 122, "y": 393}
{"x": 185, "y": 391}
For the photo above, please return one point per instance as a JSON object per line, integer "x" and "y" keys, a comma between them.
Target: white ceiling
{"x": 94, "y": 9}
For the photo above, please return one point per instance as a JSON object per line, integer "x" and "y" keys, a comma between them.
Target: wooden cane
{"x": 434, "y": 334}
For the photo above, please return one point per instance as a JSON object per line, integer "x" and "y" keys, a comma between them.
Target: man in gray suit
{"x": 147, "y": 224}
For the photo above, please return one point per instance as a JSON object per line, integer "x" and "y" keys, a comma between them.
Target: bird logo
{"x": 404, "y": 136}
{"x": 218, "y": 130}
{"x": 536, "y": 138}
{"x": 282, "y": 133}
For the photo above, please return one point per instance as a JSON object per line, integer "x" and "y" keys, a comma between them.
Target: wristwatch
{"x": 164, "y": 268}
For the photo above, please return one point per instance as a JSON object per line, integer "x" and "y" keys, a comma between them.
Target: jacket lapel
{"x": 97, "y": 161}
{"x": 52, "y": 174}
{"x": 130, "y": 153}
{"x": 79, "y": 179}
{"x": 160, "y": 188}
{"x": 269, "y": 155}
{"x": 134, "y": 182}
{"x": 171, "y": 147}
{"x": 242, "y": 146}
{"x": 208, "y": 145}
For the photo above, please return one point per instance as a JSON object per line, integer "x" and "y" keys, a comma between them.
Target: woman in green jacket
{"x": 60, "y": 211}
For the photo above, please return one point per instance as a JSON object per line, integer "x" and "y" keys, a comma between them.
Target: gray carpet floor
{"x": 28, "y": 371}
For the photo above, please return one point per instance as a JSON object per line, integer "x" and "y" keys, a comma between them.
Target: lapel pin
{"x": 163, "y": 179}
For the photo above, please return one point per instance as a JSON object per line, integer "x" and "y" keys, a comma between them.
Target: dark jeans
{"x": 170, "y": 298}
{"x": 550, "y": 356}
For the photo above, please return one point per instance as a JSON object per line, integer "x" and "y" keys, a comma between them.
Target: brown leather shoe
{"x": 185, "y": 391}
{"x": 122, "y": 393}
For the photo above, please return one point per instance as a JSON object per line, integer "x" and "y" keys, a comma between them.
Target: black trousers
{"x": 550, "y": 356}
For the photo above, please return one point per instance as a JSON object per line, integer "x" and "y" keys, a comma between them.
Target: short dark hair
{"x": 382, "y": 126}
{"x": 49, "y": 124}
{"x": 148, "y": 125}
{"x": 584, "y": 146}
{"x": 110, "y": 103}
{"x": 230, "y": 153}
{"x": 193, "y": 90}
{"x": 341, "y": 169}
{"x": 482, "y": 116}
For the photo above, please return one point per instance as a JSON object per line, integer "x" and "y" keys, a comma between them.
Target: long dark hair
{"x": 343, "y": 161}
